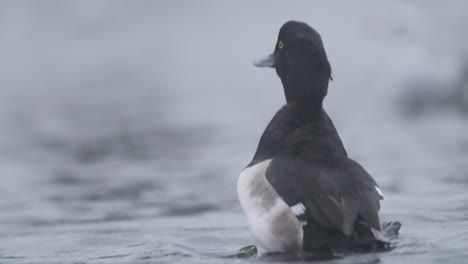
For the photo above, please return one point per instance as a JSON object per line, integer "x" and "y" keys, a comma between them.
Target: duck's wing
{"x": 333, "y": 194}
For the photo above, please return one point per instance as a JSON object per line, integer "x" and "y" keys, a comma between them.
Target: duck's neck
{"x": 306, "y": 91}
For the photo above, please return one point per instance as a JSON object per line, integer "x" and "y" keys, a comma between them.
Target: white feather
{"x": 298, "y": 209}
{"x": 379, "y": 191}
{"x": 378, "y": 234}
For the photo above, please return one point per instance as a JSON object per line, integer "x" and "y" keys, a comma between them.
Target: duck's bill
{"x": 268, "y": 61}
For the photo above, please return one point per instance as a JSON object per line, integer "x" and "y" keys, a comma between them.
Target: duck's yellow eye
{"x": 280, "y": 44}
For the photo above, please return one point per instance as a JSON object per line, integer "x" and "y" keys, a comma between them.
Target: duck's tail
{"x": 363, "y": 239}
{"x": 369, "y": 240}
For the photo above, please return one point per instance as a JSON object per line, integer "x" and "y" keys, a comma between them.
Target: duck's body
{"x": 301, "y": 191}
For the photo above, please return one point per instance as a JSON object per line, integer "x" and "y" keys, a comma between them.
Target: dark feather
{"x": 335, "y": 194}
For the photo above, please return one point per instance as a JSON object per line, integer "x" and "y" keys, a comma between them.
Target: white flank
{"x": 272, "y": 224}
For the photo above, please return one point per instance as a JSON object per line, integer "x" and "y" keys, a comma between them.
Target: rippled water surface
{"x": 124, "y": 125}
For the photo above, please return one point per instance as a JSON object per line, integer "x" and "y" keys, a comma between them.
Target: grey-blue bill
{"x": 268, "y": 61}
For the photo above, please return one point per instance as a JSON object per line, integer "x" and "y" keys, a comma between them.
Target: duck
{"x": 301, "y": 192}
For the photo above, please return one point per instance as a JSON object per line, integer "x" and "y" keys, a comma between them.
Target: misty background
{"x": 125, "y": 124}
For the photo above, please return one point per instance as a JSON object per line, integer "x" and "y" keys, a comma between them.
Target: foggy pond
{"x": 125, "y": 124}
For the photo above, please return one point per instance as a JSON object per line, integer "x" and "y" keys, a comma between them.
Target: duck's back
{"x": 288, "y": 130}
{"x": 337, "y": 199}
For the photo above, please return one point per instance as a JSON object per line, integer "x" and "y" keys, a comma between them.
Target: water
{"x": 124, "y": 125}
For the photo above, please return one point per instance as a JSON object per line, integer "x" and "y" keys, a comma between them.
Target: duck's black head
{"x": 301, "y": 63}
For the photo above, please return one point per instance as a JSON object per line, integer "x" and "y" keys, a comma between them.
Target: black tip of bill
{"x": 268, "y": 61}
